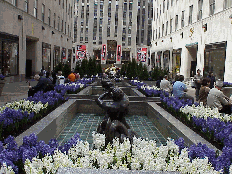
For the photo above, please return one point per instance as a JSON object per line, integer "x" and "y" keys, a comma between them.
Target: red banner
{"x": 103, "y": 51}
{"x": 142, "y": 54}
{"x": 119, "y": 52}
{"x": 81, "y": 51}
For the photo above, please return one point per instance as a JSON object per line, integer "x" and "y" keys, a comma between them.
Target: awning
{"x": 191, "y": 44}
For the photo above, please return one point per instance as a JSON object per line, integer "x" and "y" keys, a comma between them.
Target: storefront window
{"x": 215, "y": 62}
{"x": 63, "y": 54}
{"x": 56, "y": 57}
{"x": 46, "y": 59}
{"x": 176, "y": 61}
{"x": 9, "y": 58}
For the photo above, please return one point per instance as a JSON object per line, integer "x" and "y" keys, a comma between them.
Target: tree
{"x": 66, "y": 70}
{"x": 58, "y": 67}
{"x": 84, "y": 67}
{"x": 99, "y": 68}
{"x": 144, "y": 73}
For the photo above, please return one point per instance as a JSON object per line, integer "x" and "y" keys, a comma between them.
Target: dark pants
{"x": 31, "y": 92}
{"x": 197, "y": 93}
{"x": 226, "y": 109}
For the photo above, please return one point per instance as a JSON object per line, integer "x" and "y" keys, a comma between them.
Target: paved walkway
{"x": 13, "y": 91}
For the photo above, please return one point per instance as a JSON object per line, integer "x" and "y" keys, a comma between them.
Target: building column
{"x": 22, "y": 57}
{"x": 228, "y": 62}
{"x": 162, "y": 60}
{"x": 38, "y": 56}
{"x": 184, "y": 62}
{"x": 170, "y": 62}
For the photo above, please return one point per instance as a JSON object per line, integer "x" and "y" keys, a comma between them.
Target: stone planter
{"x": 2, "y": 84}
{"x": 227, "y": 91}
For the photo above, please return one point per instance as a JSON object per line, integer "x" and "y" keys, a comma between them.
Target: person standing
{"x": 216, "y": 99}
{"x": 198, "y": 79}
{"x": 166, "y": 85}
{"x": 212, "y": 80}
{"x": 204, "y": 91}
{"x": 72, "y": 77}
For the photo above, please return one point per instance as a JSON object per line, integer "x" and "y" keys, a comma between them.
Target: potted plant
{"x": 2, "y": 83}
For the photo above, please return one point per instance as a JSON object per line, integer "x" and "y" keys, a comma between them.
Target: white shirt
{"x": 166, "y": 85}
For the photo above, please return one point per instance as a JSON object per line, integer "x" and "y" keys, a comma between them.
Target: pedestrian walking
{"x": 198, "y": 79}
{"x": 212, "y": 80}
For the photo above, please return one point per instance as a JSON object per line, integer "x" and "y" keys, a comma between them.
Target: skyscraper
{"x": 111, "y": 31}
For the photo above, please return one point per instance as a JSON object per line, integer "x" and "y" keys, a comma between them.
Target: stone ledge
{"x": 51, "y": 125}
{"x": 169, "y": 126}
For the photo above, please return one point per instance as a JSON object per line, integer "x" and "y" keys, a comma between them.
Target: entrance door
{"x": 193, "y": 68}
{"x": 28, "y": 68}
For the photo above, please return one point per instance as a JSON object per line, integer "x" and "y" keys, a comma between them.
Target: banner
{"x": 119, "y": 52}
{"x": 142, "y": 54}
{"x": 104, "y": 52}
{"x": 81, "y": 51}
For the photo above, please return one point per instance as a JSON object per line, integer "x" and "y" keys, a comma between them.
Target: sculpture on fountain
{"x": 115, "y": 102}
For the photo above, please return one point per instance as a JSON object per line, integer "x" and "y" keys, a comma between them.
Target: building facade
{"x": 188, "y": 35}
{"x": 35, "y": 34}
{"x": 111, "y": 31}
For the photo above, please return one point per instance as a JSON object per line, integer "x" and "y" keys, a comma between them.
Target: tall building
{"x": 188, "y": 35}
{"x": 111, "y": 31}
{"x": 34, "y": 34}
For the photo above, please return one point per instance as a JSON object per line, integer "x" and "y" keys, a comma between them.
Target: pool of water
{"x": 85, "y": 124}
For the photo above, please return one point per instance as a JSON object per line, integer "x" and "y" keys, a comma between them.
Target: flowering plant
{"x": 140, "y": 155}
{"x": 227, "y": 84}
{"x": 2, "y": 77}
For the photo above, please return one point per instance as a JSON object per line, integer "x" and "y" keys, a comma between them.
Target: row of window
{"x": 61, "y": 28}
{"x": 226, "y": 4}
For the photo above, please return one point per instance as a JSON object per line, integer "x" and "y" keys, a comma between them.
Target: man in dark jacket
{"x": 43, "y": 82}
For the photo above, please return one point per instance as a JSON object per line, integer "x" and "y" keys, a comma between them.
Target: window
{"x": 211, "y": 7}
{"x": 26, "y": 5}
{"x": 190, "y": 14}
{"x": 129, "y": 41}
{"x": 162, "y": 30}
{"x": 166, "y": 32}
{"x": 157, "y": 12}
{"x": 227, "y": 4}
{"x": 182, "y": 19}
{"x": 59, "y": 2}
{"x": 43, "y": 9}
{"x": 15, "y": 2}
{"x": 65, "y": 28}
{"x": 176, "y": 22}
{"x": 66, "y": 6}
{"x": 54, "y": 22}
{"x": 200, "y": 4}
{"x": 167, "y": 4}
{"x": 58, "y": 23}
{"x": 62, "y": 26}
{"x": 35, "y": 8}
{"x": 71, "y": 12}
{"x": 171, "y": 2}
{"x": 163, "y": 6}
{"x": 49, "y": 17}
{"x": 170, "y": 25}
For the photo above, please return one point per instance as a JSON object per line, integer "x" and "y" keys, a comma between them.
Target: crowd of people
{"x": 207, "y": 90}
{"x": 47, "y": 81}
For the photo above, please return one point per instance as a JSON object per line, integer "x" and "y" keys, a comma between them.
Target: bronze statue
{"x": 115, "y": 102}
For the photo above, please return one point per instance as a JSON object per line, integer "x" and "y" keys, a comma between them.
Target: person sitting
{"x": 72, "y": 77}
{"x": 41, "y": 85}
{"x": 54, "y": 77}
{"x": 158, "y": 81}
{"x": 166, "y": 85}
{"x": 60, "y": 79}
{"x": 216, "y": 99}
{"x": 179, "y": 89}
{"x": 204, "y": 91}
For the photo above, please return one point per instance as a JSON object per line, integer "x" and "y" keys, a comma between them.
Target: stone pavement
{"x": 13, "y": 91}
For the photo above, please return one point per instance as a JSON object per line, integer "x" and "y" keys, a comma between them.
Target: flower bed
{"x": 18, "y": 116}
{"x": 37, "y": 157}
